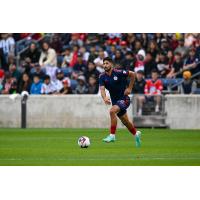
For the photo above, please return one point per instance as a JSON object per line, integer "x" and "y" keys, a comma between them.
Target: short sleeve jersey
{"x": 115, "y": 83}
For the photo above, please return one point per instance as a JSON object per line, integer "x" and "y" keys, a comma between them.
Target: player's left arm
{"x": 128, "y": 90}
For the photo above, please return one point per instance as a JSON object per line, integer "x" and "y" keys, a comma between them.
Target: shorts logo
{"x": 124, "y": 72}
{"x": 115, "y": 78}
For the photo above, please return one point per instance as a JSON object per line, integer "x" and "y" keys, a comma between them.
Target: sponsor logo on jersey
{"x": 115, "y": 78}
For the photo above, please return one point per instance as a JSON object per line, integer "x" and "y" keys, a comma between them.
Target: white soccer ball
{"x": 84, "y": 142}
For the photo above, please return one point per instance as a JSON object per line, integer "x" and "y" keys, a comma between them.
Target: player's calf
{"x": 130, "y": 126}
{"x": 111, "y": 137}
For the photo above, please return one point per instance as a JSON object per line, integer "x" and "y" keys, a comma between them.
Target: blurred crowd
{"x": 71, "y": 63}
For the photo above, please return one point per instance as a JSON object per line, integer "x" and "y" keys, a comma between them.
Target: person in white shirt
{"x": 99, "y": 60}
{"x": 59, "y": 78}
{"x": 7, "y": 44}
{"x": 48, "y": 60}
{"x": 48, "y": 87}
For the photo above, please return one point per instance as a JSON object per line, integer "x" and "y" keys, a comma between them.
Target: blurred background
{"x": 70, "y": 63}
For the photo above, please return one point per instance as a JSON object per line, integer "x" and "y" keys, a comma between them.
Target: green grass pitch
{"x": 30, "y": 147}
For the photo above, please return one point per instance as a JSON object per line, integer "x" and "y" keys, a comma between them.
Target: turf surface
{"x": 59, "y": 147}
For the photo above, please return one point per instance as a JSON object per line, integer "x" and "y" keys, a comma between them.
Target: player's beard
{"x": 108, "y": 69}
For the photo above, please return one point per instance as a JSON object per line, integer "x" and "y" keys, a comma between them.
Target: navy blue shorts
{"x": 123, "y": 105}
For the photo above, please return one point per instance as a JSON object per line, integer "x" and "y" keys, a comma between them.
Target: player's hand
{"x": 127, "y": 92}
{"x": 107, "y": 101}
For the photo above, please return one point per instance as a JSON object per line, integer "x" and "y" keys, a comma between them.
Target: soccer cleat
{"x": 138, "y": 139}
{"x": 109, "y": 138}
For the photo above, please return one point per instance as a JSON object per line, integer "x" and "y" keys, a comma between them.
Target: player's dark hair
{"x": 108, "y": 59}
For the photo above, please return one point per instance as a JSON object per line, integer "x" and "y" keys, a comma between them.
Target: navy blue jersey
{"x": 116, "y": 83}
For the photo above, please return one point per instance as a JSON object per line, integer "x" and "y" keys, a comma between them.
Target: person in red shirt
{"x": 153, "y": 89}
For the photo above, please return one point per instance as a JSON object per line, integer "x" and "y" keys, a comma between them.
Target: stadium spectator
{"x": 7, "y": 43}
{"x": 164, "y": 47}
{"x": 13, "y": 88}
{"x": 192, "y": 62}
{"x": 118, "y": 58}
{"x": 67, "y": 57}
{"x": 181, "y": 48}
{"x": 85, "y": 53}
{"x": 140, "y": 83}
{"x": 38, "y": 71}
{"x": 189, "y": 40}
{"x": 74, "y": 55}
{"x": 137, "y": 46}
{"x": 153, "y": 49}
{"x": 99, "y": 61}
{"x": 25, "y": 83}
{"x": 60, "y": 74}
{"x": 91, "y": 71}
{"x": 138, "y": 89}
{"x": 75, "y": 40}
{"x": 128, "y": 62}
{"x": 80, "y": 65}
{"x": 58, "y": 82}
{"x": 48, "y": 55}
{"x": 139, "y": 64}
{"x": 48, "y": 87}
{"x": 93, "y": 86}
{"x": 162, "y": 64}
{"x": 36, "y": 85}
{"x": 56, "y": 43}
{"x": 158, "y": 37}
{"x": 15, "y": 73}
{"x": 111, "y": 51}
{"x": 10, "y": 60}
{"x": 174, "y": 42}
{"x": 92, "y": 39}
{"x": 27, "y": 66}
{"x": 113, "y": 38}
{"x": 124, "y": 47}
{"x": 177, "y": 67}
{"x": 32, "y": 54}
{"x": 149, "y": 65}
{"x": 7, "y": 84}
{"x": 188, "y": 86}
{"x": 130, "y": 38}
{"x": 82, "y": 87}
{"x": 153, "y": 89}
{"x": 144, "y": 40}
{"x": 66, "y": 87}
{"x": 93, "y": 54}
{"x": 48, "y": 59}
{"x": 170, "y": 59}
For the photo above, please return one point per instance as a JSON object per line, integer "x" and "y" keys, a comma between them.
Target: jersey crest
{"x": 115, "y": 78}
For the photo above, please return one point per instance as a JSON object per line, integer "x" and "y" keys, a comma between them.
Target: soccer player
{"x": 115, "y": 81}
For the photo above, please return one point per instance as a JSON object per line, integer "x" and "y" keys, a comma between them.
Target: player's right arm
{"x": 103, "y": 95}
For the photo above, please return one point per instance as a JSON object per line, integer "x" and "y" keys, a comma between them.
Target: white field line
{"x": 96, "y": 159}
